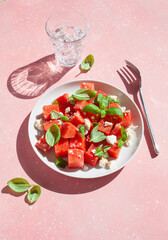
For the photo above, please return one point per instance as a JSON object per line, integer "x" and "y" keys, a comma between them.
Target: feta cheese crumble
{"x": 111, "y": 139}
{"x": 39, "y": 124}
{"x": 93, "y": 151}
{"x": 67, "y": 110}
{"x": 103, "y": 162}
{"x": 112, "y": 165}
{"x": 107, "y": 123}
{"x": 85, "y": 168}
{"x": 123, "y": 109}
{"x": 131, "y": 130}
{"x": 113, "y": 97}
{"x": 87, "y": 124}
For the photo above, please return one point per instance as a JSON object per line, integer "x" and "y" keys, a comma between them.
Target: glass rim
{"x": 87, "y": 29}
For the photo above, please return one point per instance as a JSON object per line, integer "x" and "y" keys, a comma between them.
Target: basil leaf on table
{"x": 97, "y": 136}
{"x": 82, "y": 130}
{"x": 34, "y": 194}
{"x": 114, "y": 111}
{"x": 53, "y": 135}
{"x": 122, "y": 140}
{"x": 19, "y": 184}
{"x": 61, "y": 162}
{"x": 91, "y": 108}
{"x": 87, "y": 63}
{"x": 84, "y": 94}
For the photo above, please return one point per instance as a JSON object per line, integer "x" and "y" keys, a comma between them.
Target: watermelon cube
{"x": 78, "y": 142}
{"x": 47, "y": 110}
{"x": 79, "y": 105}
{"x": 48, "y": 124}
{"x": 61, "y": 148}
{"x": 68, "y": 130}
{"x": 114, "y": 151}
{"x": 117, "y": 131}
{"x": 105, "y": 126}
{"x": 63, "y": 102}
{"x": 43, "y": 145}
{"x": 75, "y": 158}
{"x": 90, "y": 158}
{"x": 87, "y": 86}
{"x": 113, "y": 118}
{"x": 127, "y": 119}
{"x": 77, "y": 118}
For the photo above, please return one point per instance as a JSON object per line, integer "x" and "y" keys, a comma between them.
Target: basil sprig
{"x": 58, "y": 115}
{"x": 21, "y": 185}
{"x": 53, "y": 135}
{"x": 102, "y": 152}
{"x": 34, "y": 194}
{"x": 91, "y": 108}
{"x": 61, "y": 162}
{"x": 82, "y": 130}
{"x": 87, "y": 63}
{"x": 114, "y": 111}
{"x": 122, "y": 140}
{"x": 104, "y": 99}
{"x": 84, "y": 94}
{"x": 97, "y": 136}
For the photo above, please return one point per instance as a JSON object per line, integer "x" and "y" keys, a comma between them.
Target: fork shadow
{"x": 132, "y": 89}
{"x": 33, "y": 79}
{"x": 47, "y": 177}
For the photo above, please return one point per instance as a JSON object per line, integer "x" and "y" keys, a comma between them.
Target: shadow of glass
{"x": 33, "y": 79}
{"x": 132, "y": 86}
{"x": 47, "y": 177}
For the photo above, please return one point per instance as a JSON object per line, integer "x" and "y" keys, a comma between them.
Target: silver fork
{"x": 136, "y": 84}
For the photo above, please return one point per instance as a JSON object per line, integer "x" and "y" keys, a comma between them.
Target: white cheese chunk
{"x": 113, "y": 97}
{"x": 131, "y": 130}
{"x": 112, "y": 165}
{"x": 111, "y": 139}
{"x": 85, "y": 168}
{"x": 93, "y": 151}
{"x": 87, "y": 124}
{"x": 103, "y": 162}
{"x": 123, "y": 109}
{"x": 107, "y": 123}
{"x": 67, "y": 110}
{"x": 39, "y": 124}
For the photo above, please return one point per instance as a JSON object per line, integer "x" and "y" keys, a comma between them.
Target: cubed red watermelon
{"x": 113, "y": 118}
{"x": 127, "y": 119}
{"x": 47, "y": 110}
{"x": 78, "y": 142}
{"x": 105, "y": 128}
{"x": 75, "y": 158}
{"x": 116, "y": 131}
{"x": 68, "y": 130}
{"x": 61, "y": 148}
{"x": 79, "y": 105}
{"x": 77, "y": 118}
{"x": 114, "y": 151}
{"x": 43, "y": 145}
{"x": 90, "y": 158}
{"x": 87, "y": 86}
{"x": 48, "y": 124}
{"x": 63, "y": 102}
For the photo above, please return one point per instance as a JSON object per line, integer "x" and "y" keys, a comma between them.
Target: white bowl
{"x": 126, "y": 153}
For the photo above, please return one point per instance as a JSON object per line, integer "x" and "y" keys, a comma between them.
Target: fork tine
{"x": 133, "y": 66}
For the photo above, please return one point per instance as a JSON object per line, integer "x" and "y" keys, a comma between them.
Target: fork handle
{"x": 149, "y": 124}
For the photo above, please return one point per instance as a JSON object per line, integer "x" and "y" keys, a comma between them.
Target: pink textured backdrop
{"x": 130, "y": 204}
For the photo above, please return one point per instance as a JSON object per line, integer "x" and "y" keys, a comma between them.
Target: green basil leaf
{"x": 87, "y": 63}
{"x": 114, "y": 111}
{"x": 61, "y": 162}
{"x": 19, "y": 184}
{"x": 72, "y": 99}
{"x": 55, "y": 102}
{"x": 56, "y": 115}
{"x": 53, "y": 135}
{"x": 82, "y": 130}
{"x": 65, "y": 118}
{"x": 122, "y": 140}
{"x": 91, "y": 108}
{"x": 97, "y": 136}
{"x": 103, "y": 113}
{"x": 99, "y": 152}
{"x": 84, "y": 94}
{"x": 34, "y": 194}
{"x": 106, "y": 148}
{"x": 111, "y": 100}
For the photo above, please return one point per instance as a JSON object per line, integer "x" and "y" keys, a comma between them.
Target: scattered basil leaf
{"x": 103, "y": 113}
{"x": 102, "y": 105}
{"x": 122, "y": 140}
{"x": 99, "y": 152}
{"x": 65, "y": 118}
{"x": 61, "y": 162}
{"x": 19, "y": 184}
{"x": 53, "y": 135}
{"x": 114, "y": 111}
{"x": 87, "y": 63}
{"x": 97, "y": 136}
{"x": 91, "y": 108}
{"x": 106, "y": 148}
{"x": 55, "y": 102}
{"x": 34, "y": 193}
{"x": 82, "y": 130}
{"x": 72, "y": 99}
{"x": 84, "y": 94}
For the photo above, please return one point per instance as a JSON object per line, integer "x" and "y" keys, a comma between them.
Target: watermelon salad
{"x": 85, "y": 128}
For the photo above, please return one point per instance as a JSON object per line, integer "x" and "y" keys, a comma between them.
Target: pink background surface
{"x": 130, "y": 204}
